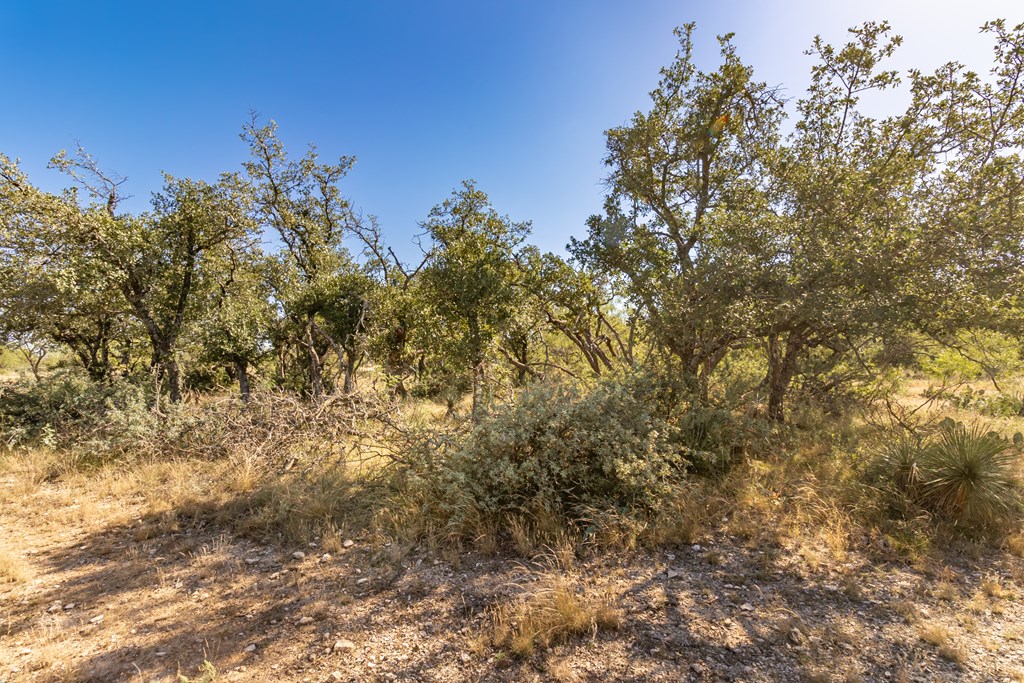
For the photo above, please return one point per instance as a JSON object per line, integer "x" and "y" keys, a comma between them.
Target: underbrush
{"x": 967, "y": 476}
{"x": 561, "y": 469}
{"x": 91, "y": 423}
{"x": 560, "y": 455}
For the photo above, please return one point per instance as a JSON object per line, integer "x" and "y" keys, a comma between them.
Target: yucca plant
{"x": 901, "y": 461}
{"x": 967, "y": 474}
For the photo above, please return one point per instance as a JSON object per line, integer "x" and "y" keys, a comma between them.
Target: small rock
{"x": 304, "y": 620}
{"x": 54, "y": 608}
{"x": 747, "y": 607}
{"x": 348, "y": 543}
{"x": 696, "y": 547}
{"x": 326, "y": 557}
{"x": 70, "y": 605}
{"x": 343, "y": 646}
{"x": 251, "y": 560}
{"x": 335, "y": 676}
{"x": 96, "y": 619}
{"x": 698, "y": 668}
{"x": 465, "y": 657}
{"x": 298, "y": 555}
{"x": 671, "y": 573}
{"x": 360, "y": 582}
{"x": 796, "y": 637}
{"x": 160, "y": 654}
{"x": 251, "y": 647}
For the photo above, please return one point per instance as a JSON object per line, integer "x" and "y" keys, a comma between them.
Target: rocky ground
{"x": 93, "y": 590}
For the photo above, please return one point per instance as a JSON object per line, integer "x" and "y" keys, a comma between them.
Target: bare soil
{"x": 94, "y": 590}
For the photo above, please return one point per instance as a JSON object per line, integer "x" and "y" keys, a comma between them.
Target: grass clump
{"x": 969, "y": 474}
{"x": 938, "y": 636}
{"x": 12, "y": 568}
{"x": 558, "y": 609}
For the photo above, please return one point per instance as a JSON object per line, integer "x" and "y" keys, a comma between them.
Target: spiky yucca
{"x": 901, "y": 460}
{"x": 967, "y": 474}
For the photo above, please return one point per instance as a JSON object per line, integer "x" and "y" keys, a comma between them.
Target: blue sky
{"x": 514, "y": 94}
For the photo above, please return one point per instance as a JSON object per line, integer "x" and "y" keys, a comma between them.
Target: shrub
{"x": 901, "y": 461}
{"x": 963, "y": 474}
{"x": 69, "y": 410}
{"x": 969, "y": 474}
{"x": 557, "y": 449}
{"x": 993, "y": 405}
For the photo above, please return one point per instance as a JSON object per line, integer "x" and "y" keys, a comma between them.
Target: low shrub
{"x": 68, "y": 410}
{"x": 963, "y": 474}
{"x": 93, "y": 422}
{"x": 994, "y": 405}
{"x": 563, "y": 451}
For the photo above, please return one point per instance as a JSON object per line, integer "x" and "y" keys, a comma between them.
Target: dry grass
{"x": 993, "y": 588}
{"x": 13, "y": 569}
{"x": 556, "y": 609}
{"x": 1015, "y": 543}
{"x": 207, "y": 673}
{"x": 939, "y": 636}
{"x": 909, "y": 610}
{"x": 946, "y": 591}
{"x": 31, "y": 469}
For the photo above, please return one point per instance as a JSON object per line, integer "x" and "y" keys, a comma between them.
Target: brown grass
{"x": 939, "y": 636}
{"x": 557, "y": 609}
{"x": 12, "y": 568}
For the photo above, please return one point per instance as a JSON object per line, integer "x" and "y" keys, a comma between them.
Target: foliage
{"x": 968, "y": 474}
{"x": 965, "y": 474}
{"x": 996, "y": 404}
{"x": 972, "y": 354}
{"x": 470, "y": 278}
{"x": 560, "y": 449}
{"x": 70, "y": 411}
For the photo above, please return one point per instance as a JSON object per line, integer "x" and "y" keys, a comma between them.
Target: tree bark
{"x": 242, "y": 373}
{"x": 781, "y": 370}
{"x": 316, "y": 378}
{"x": 477, "y": 355}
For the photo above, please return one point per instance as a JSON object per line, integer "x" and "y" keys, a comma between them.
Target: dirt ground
{"x": 93, "y": 590}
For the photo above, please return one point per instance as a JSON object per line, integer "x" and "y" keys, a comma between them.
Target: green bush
{"x": 557, "y": 448}
{"x": 69, "y": 410}
{"x": 1000, "y": 354}
{"x": 993, "y": 405}
{"x": 962, "y": 474}
{"x": 969, "y": 474}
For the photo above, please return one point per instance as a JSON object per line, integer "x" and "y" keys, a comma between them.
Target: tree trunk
{"x": 316, "y": 378}
{"x": 166, "y": 366}
{"x": 478, "y": 389}
{"x": 350, "y": 373}
{"x": 173, "y": 379}
{"x": 242, "y": 373}
{"x": 781, "y": 369}
{"x": 477, "y": 355}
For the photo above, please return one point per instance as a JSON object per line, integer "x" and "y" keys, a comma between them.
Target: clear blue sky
{"x": 514, "y": 94}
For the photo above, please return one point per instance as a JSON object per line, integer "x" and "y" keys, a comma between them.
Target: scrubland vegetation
{"x": 795, "y": 329}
